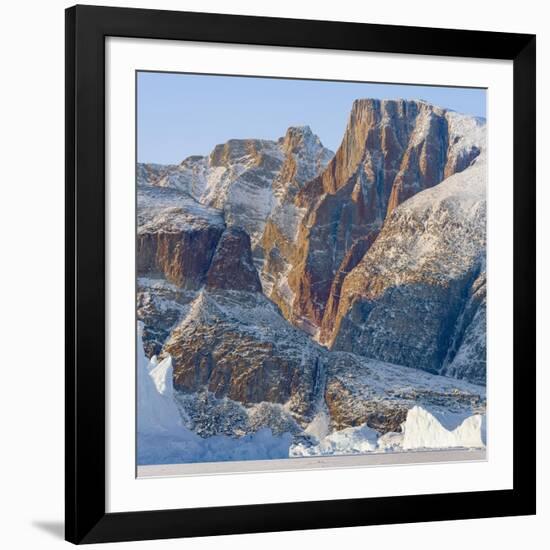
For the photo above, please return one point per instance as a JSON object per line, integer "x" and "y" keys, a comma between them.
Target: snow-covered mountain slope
{"x": 190, "y": 176}
{"x": 147, "y": 173}
{"x": 247, "y": 178}
{"x": 241, "y": 182}
{"x": 169, "y": 210}
{"x": 466, "y": 357}
{"x": 160, "y": 306}
{"x": 410, "y": 298}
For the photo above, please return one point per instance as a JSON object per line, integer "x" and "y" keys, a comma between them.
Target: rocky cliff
{"x": 391, "y": 150}
{"x": 233, "y": 349}
{"x": 237, "y": 359}
{"x": 466, "y": 356}
{"x": 236, "y": 345}
{"x": 413, "y": 297}
{"x": 176, "y": 236}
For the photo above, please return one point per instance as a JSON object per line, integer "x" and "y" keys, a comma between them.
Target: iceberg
{"x": 426, "y": 430}
{"x": 355, "y": 440}
{"x": 162, "y": 437}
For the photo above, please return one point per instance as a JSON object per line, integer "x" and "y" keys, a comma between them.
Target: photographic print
{"x": 311, "y": 272}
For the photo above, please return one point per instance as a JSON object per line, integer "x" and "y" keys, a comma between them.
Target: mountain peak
{"x": 235, "y": 150}
{"x": 298, "y": 132}
{"x": 300, "y": 138}
{"x": 391, "y": 150}
{"x": 369, "y": 111}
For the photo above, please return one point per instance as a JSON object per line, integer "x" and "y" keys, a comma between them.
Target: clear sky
{"x": 182, "y": 114}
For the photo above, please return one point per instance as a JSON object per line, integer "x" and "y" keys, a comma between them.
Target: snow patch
{"x": 319, "y": 427}
{"x": 356, "y": 440}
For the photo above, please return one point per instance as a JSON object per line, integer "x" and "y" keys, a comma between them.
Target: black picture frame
{"x": 85, "y": 516}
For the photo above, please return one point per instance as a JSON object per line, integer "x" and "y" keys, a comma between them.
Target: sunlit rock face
{"x": 417, "y": 297}
{"x": 237, "y": 347}
{"x": 176, "y": 236}
{"x": 391, "y": 150}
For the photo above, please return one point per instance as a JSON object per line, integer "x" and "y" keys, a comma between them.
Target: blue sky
{"x": 181, "y": 114}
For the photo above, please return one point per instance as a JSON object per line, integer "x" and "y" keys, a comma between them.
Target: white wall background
{"x": 31, "y": 303}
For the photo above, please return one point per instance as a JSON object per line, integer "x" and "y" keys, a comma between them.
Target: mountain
{"x": 417, "y": 297}
{"x": 247, "y": 178}
{"x": 466, "y": 357}
{"x": 227, "y": 339}
{"x": 391, "y": 150}
{"x": 318, "y": 295}
{"x": 164, "y": 435}
{"x": 183, "y": 246}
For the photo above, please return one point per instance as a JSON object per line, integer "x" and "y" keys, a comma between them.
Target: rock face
{"x": 242, "y": 173}
{"x": 351, "y": 259}
{"x": 176, "y": 236}
{"x": 237, "y": 345}
{"x": 417, "y": 296}
{"x": 276, "y": 250}
{"x": 304, "y": 157}
{"x": 232, "y": 267}
{"x": 466, "y": 358}
{"x": 182, "y": 247}
{"x": 160, "y": 306}
{"x": 189, "y": 245}
{"x": 366, "y": 391}
{"x": 391, "y": 150}
{"x": 185, "y": 242}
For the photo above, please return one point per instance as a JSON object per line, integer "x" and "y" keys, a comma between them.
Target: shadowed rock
{"x": 232, "y": 267}
{"x": 237, "y": 345}
{"x": 176, "y": 237}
